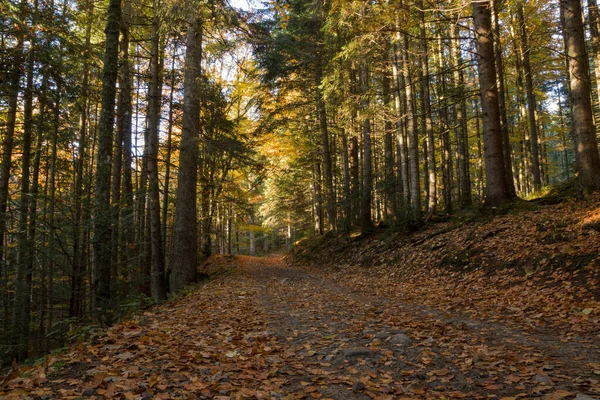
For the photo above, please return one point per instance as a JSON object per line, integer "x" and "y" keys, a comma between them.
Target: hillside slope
{"x": 538, "y": 267}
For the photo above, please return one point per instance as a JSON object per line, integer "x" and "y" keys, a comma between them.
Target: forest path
{"x": 265, "y": 330}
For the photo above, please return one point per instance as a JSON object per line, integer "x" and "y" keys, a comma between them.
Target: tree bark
{"x": 159, "y": 290}
{"x": 355, "y": 173}
{"x": 584, "y": 132}
{"x": 184, "y": 258}
{"x": 366, "y": 223}
{"x": 325, "y": 152}
{"x": 446, "y": 150}
{"x": 317, "y": 199}
{"x": 426, "y": 124}
{"x": 168, "y": 151}
{"x": 6, "y": 162}
{"x": 389, "y": 181}
{"x": 402, "y": 115}
{"x": 75, "y": 302}
{"x": 496, "y": 189}
{"x": 594, "y": 21}
{"x": 413, "y": 138}
{"x": 506, "y": 147}
{"x": 102, "y": 219}
{"x": 531, "y": 102}
{"x": 22, "y": 312}
{"x": 347, "y": 191}
{"x": 124, "y": 124}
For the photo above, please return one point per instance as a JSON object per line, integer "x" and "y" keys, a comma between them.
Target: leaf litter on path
{"x": 268, "y": 331}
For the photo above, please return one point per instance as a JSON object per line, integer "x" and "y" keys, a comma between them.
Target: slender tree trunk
{"x": 52, "y": 186}
{"x": 426, "y": 123}
{"x": 184, "y": 259}
{"x": 480, "y": 177}
{"x": 205, "y": 208}
{"x": 496, "y": 189}
{"x": 117, "y": 168}
{"x": 229, "y": 226}
{"x": 525, "y": 147}
{"x": 32, "y": 228}
{"x": 402, "y": 114}
{"x": 318, "y": 199}
{"x": 7, "y": 150}
{"x": 22, "y": 312}
{"x": 168, "y": 150}
{"x": 464, "y": 175}
{"x": 366, "y": 223}
{"x": 584, "y": 132}
{"x": 88, "y": 210}
{"x": 426, "y": 175}
{"x": 347, "y": 191}
{"x": 144, "y": 261}
{"x": 594, "y": 21}
{"x": 124, "y": 124}
{"x": 33, "y": 205}
{"x": 531, "y": 103}
{"x": 102, "y": 219}
{"x": 446, "y": 153}
{"x": 388, "y": 149}
{"x": 563, "y": 137}
{"x": 75, "y": 302}
{"x": 355, "y": 173}
{"x": 159, "y": 290}
{"x": 325, "y": 152}
{"x": 413, "y": 146}
{"x": 506, "y": 148}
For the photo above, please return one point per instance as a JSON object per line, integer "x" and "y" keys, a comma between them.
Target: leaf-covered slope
{"x": 537, "y": 266}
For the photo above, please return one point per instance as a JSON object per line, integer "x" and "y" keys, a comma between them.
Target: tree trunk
{"x": 184, "y": 259}
{"x": 413, "y": 137}
{"x": 402, "y": 115}
{"x": 144, "y": 261}
{"x": 325, "y": 153}
{"x": 426, "y": 174}
{"x": 22, "y": 312}
{"x": 75, "y": 302}
{"x": 446, "y": 151}
{"x": 366, "y": 223}
{"x": 205, "y": 215}
{"x": 462, "y": 138}
{"x": 563, "y": 136}
{"x": 318, "y": 199}
{"x": 168, "y": 150}
{"x": 506, "y": 148}
{"x": 159, "y": 290}
{"x": 347, "y": 191}
{"x": 531, "y": 103}
{"x": 594, "y": 21}
{"x": 6, "y": 163}
{"x": 389, "y": 181}
{"x": 51, "y": 220}
{"x": 426, "y": 124}
{"x": 102, "y": 220}
{"x": 33, "y": 209}
{"x": 496, "y": 189}
{"x": 355, "y": 173}
{"x": 124, "y": 123}
{"x": 584, "y": 132}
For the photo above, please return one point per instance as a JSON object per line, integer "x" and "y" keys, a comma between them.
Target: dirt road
{"x": 265, "y": 330}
